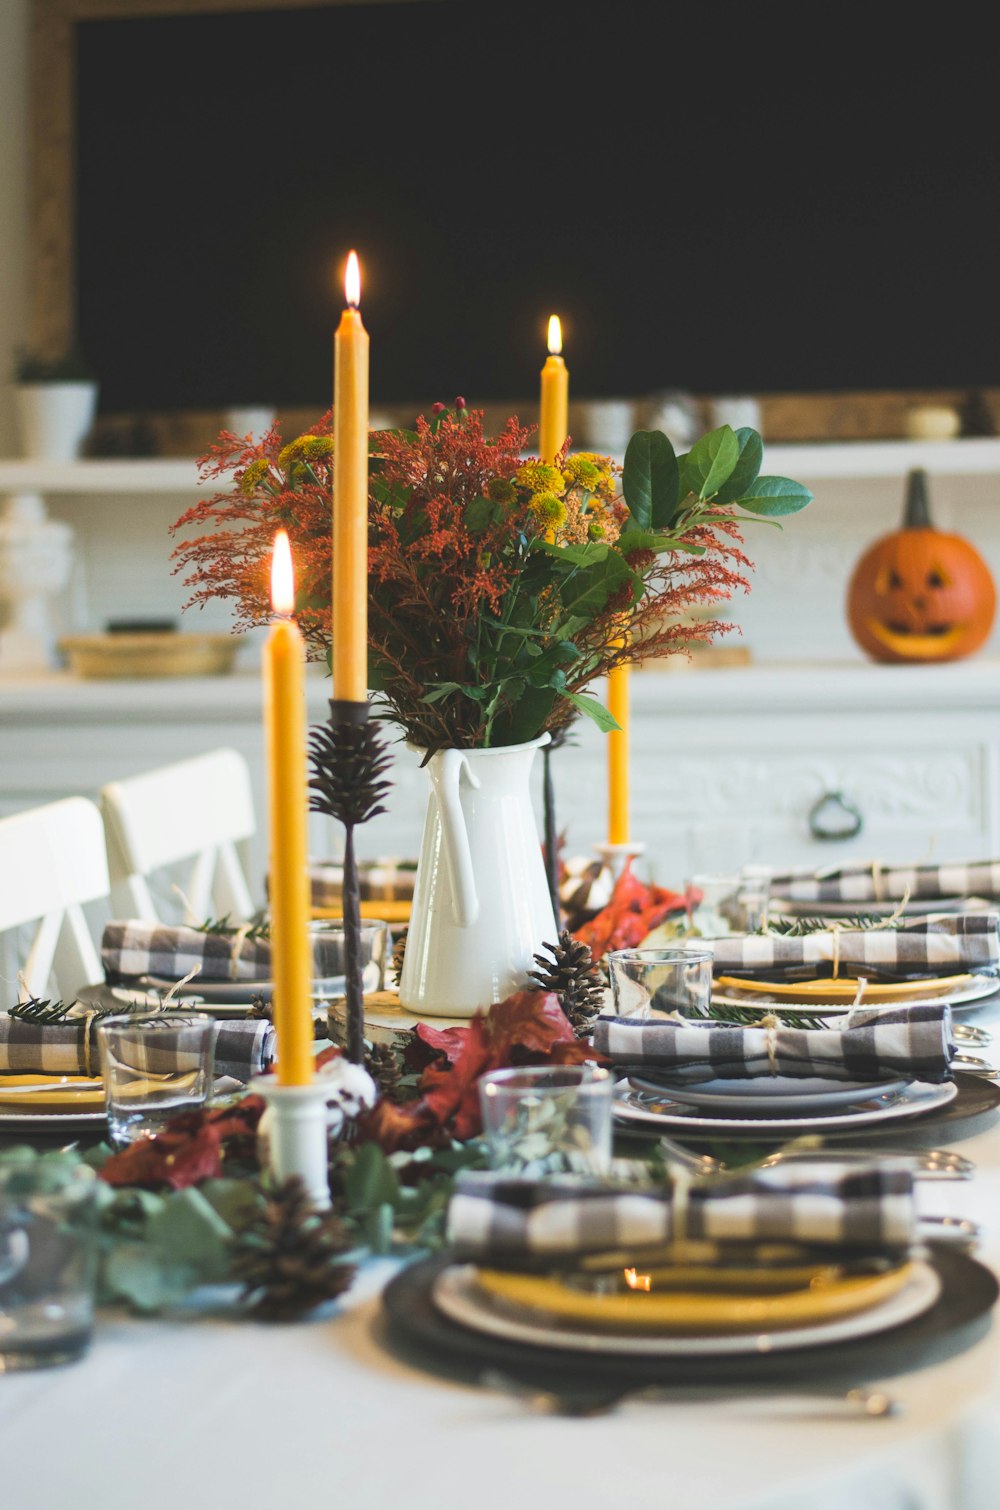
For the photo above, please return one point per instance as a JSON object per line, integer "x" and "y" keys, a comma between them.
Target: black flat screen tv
{"x": 720, "y": 197}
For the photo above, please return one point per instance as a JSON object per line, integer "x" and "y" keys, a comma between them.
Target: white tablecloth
{"x": 181, "y": 1414}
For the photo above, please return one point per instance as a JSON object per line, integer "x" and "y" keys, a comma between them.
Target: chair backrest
{"x": 193, "y": 812}
{"x": 52, "y": 861}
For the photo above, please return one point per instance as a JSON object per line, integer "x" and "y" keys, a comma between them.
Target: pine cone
{"x": 573, "y": 976}
{"x": 260, "y": 1010}
{"x": 398, "y": 951}
{"x": 288, "y": 1256}
{"x": 348, "y": 763}
{"x": 382, "y": 1063}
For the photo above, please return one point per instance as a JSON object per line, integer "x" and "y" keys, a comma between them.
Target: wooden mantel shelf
{"x": 812, "y": 463}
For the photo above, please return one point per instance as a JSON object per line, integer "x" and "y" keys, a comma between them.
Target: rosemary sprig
{"x": 256, "y": 928}
{"x": 51, "y": 1013}
{"x": 861, "y": 922}
{"x": 751, "y": 1016}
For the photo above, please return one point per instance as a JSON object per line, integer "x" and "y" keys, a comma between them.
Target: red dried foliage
{"x": 191, "y": 1148}
{"x": 528, "y": 1028}
{"x": 633, "y": 911}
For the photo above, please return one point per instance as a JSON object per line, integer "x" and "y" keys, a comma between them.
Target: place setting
{"x": 694, "y": 1061}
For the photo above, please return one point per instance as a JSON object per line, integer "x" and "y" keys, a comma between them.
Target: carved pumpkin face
{"x": 921, "y": 595}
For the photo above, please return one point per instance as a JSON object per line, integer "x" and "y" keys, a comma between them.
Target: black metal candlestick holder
{"x": 348, "y": 759}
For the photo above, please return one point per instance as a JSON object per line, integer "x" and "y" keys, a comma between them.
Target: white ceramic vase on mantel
{"x": 55, "y": 418}
{"x": 481, "y": 905}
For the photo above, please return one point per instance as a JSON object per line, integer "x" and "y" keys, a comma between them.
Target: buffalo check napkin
{"x": 495, "y": 1219}
{"x": 873, "y": 882}
{"x": 242, "y": 1049}
{"x": 951, "y": 945}
{"x": 913, "y": 1041}
{"x": 386, "y": 880}
{"x": 132, "y": 949}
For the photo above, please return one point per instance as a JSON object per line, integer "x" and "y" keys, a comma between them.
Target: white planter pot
{"x": 481, "y": 906}
{"x": 55, "y": 419}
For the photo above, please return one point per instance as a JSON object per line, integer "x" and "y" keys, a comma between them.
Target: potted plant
{"x": 500, "y": 588}
{"x": 57, "y": 401}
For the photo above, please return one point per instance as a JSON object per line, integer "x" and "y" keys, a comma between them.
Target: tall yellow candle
{"x": 285, "y": 726}
{"x": 618, "y": 707}
{"x": 554, "y": 411}
{"x": 350, "y": 497}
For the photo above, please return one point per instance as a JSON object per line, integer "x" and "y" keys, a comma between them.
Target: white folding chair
{"x": 52, "y": 861}
{"x": 191, "y": 814}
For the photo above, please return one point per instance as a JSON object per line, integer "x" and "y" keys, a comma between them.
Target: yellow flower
{"x": 548, "y": 510}
{"x": 581, "y": 472}
{"x": 539, "y": 477}
{"x": 254, "y": 474}
{"x": 499, "y": 490}
{"x": 305, "y": 448}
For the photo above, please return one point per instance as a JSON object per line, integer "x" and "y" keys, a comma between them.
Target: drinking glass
{"x": 48, "y": 1249}
{"x": 326, "y": 936}
{"x": 661, "y": 980}
{"x": 155, "y": 1067}
{"x": 548, "y": 1118}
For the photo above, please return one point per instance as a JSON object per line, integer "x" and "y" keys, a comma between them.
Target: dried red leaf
{"x": 633, "y": 911}
{"x": 191, "y": 1148}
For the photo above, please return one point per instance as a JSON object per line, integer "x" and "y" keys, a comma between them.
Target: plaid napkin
{"x": 242, "y": 1049}
{"x": 888, "y": 883}
{"x": 914, "y": 1041}
{"x": 388, "y": 880}
{"x": 495, "y": 1219}
{"x": 951, "y": 945}
{"x": 132, "y": 949}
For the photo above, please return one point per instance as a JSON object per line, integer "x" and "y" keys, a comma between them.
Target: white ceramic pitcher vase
{"x": 481, "y": 906}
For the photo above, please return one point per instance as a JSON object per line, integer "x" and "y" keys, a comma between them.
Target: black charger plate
{"x": 959, "y": 1318}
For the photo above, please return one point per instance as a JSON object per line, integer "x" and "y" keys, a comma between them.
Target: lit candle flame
{"x": 282, "y": 578}
{"x": 352, "y": 280}
{"x": 637, "y": 1281}
{"x": 555, "y": 336}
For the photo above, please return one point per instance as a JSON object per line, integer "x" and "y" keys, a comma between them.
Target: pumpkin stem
{"x": 917, "y": 512}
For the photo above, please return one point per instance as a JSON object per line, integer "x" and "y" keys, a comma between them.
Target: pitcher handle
{"x": 446, "y": 772}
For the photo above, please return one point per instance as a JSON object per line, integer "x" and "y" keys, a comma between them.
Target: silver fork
{"x": 873, "y": 1404}
{"x": 927, "y": 1163}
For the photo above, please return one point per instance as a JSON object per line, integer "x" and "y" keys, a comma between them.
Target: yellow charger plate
{"x": 844, "y": 989}
{"x": 56, "y": 1093}
{"x": 690, "y": 1312}
{"x": 386, "y": 912}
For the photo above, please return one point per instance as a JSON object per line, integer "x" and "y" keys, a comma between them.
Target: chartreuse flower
{"x": 306, "y": 448}
{"x": 548, "y": 510}
{"x": 499, "y": 490}
{"x": 539, "y": 477}
{"x": 254, "y": 473}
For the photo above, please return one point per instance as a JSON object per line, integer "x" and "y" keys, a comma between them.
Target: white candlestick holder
{"x": 297, "y": 1135}
{"x": 617, "y": 856}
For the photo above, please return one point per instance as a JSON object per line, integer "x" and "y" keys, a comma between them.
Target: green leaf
{"x": 589, "y": 705}
{"x": 745, "y": 473}
{"x": 132, "y": 1272}
{"x": 370, "y": 1180}
{"x": 189, "y": 1234}
{"x": 650, "y": 479}
{"x": 775, "y": 495}
{"x": 712, "y": 461}
{"x": 526, "y": 715}
{"x": 479, "y": 515}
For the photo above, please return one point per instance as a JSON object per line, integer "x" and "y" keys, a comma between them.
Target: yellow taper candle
{"x": 618, "y": 707}
{"x": 554, "y": 412}
{"x": 350, "y": 497}
{"x": 285, "y": 726}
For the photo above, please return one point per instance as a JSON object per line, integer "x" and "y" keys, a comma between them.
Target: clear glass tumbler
{"x": 548, "y": 1119}
{"x": 154, "y": 1068}
{"x": 644, "y": 981}
{"x": 327, "y": 938}
{"x": 48, "y": 1255}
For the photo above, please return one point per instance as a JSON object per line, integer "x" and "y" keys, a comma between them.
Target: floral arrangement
{"x": 500, "y": 586}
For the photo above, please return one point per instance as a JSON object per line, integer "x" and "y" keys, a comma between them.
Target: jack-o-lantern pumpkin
{"x": 920, "y": 594}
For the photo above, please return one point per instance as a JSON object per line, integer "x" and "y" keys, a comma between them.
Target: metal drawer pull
{"x": 833, "y": 817}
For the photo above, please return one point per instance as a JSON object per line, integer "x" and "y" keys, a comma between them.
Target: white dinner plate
{"x": 658, "y": 1110}
{"x": 458, "y": 1297}
{"x": 778, "y": 1093}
